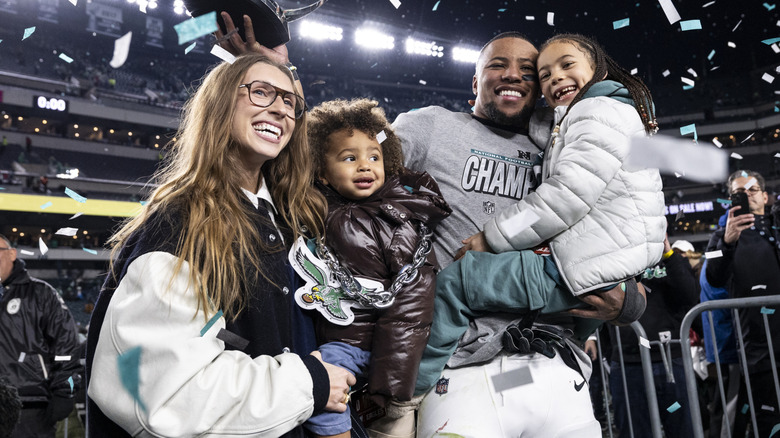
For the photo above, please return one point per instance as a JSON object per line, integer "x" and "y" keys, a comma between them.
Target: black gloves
{"x": 59, "y": 408}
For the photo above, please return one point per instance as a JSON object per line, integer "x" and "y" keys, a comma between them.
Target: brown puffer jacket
{"x": 375, "y": 238}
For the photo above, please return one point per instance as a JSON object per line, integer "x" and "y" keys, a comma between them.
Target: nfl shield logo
{"x": 489, "y": 207}
{"x": 442, "y": 386}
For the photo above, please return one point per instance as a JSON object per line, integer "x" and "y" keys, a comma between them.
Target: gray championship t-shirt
{"x": 481, "y": 170}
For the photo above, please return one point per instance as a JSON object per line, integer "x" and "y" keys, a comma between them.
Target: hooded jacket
{"x": 375, "y": 238}
{"x": 38, "y": 339}
{"x": 605, "y": 223}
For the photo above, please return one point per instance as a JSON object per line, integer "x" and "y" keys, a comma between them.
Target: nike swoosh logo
{"x": 579, "y": 387}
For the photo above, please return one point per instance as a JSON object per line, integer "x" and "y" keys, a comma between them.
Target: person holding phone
{"x": 744, "y": 258}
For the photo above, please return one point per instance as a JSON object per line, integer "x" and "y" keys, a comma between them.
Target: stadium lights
{"x": 178, "y": 6}
{"x": 463, "y": 54}
{"x": 318, "y": 31}
{"x": 416, "y": 47}
{"x": 373, "y": 39}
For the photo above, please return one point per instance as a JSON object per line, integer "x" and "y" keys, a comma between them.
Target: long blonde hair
{"x": 219, "y": 240}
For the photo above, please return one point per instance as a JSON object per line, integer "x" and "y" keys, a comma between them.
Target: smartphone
{"x": 740, "y": 199}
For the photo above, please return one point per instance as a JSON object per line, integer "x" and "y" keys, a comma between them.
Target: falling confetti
{"x": 68, "y": 231}
{"x": 27, "y": 32}
{"x": 66, "y": 58}
{"x": 619, "y": 24}
{"x": 44, "y": 249}
{"x": 223, "y": 54}
{"x": 91, "y": 251}
{"x": 671, "y": 12}
{"x": 121, "y": 50}
{"x": 396, "y": 3}
{"x": 196, "y": 27}
{"x": 675, "y": 406}
{"x": 189, "y": 48}
{"x": 75, "y": 196}
{"x": 436, "y": 6}
{"x": 690, "y": 25}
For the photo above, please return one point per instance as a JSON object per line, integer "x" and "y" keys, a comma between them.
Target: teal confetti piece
{"x": 724, "y": 201}
{"x": 1, "y": 41}
{"x": 768, "y": 6}
{"x": 777, "y": 110}
{"x": 196, "y": 27}
{"x": 687, "y": 87}
{"x": 767, "y": 311}
{"x": 210, "y": 323}
{"x": 619, "y": 24}
{"x": 143, "y": 202}
{"x": 502, "y": 10}
{"x": 91, "y": 251}
{"x": 27, "y": 32}
{"x": 770, "y": 41}
{"x": 2, "y": 188}
{"x": 435, "y": 7}
{"x": 70, "y": 380}
{"x": 675, "y": 406}
{"x": 745, "y": 408}
{"x": 774, "y": 430}
{"x": 46, "y": 205}
{"x": 75, "y": 196}
{"x": 129, "y": 364}
{"x": 690, "y": 25}
{"x": 66, "y": 58}
{"x": 744, "y": 174}
{"x": 190, "y": 47}
{"x": 687, "y": 129}
{"x": 709, "y": 57}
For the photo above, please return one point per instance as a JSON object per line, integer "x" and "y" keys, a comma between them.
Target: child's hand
{"x": 476, "y": 242}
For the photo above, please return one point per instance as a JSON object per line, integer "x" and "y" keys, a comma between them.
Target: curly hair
{"x": 363, "y": 115}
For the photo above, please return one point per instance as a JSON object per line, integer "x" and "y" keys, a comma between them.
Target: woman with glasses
{"x": 195, "y": 331}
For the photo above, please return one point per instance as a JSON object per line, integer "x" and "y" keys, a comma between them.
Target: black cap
{"x": 268, "y": 19}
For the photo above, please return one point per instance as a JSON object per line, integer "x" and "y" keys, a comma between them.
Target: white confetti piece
{"x": 519, "y": 222}
{"x": 707, "y": 4}
{"x": 777, "y": 155}
{"x": 28, "y": 253}
{"x": 713, "y": 254}
{"x": 42, "y": 246}
{"x": 76, "y": 215}
{"x": 768, "y": 78}
{"x": 666, "y": 73}
{"x": 671, "y": 12}
{"x": 396, "y": 3}
{"x": 678, "y": 175}
{"x": 530, "y": 18}
{"x": 142, "y": 5}
{"x": 121, "y": 50}
{"x": 634, "y": 71}
{"x": 223, "y": 54}
{"x": 381, "y": 137}
{"x": 687, "y": 81}
{"x": 775, "y": 48}
{"x": 66, "y": 58}
{"x": 422, "y": 82}
{"x": 758, "y": 286}
{"x": 717, "y": 142}
{"x": 61, "y": 358}
{"x": 644, "y": 342}
{"x": 751, "y": 182}
{"x": 67, "y": 231}
{"x": 551, "y": 18}
{"x": 74, "y": 2}
{"x": 748, "y": 137}
{"x": 735, "y": 27}
{"x": 22, "y": 356}
{"x": 699, "y": 163}
{"x": 693, "y": 72}
{"x": 767, "y": 408}
{"x": 736, "y": 156}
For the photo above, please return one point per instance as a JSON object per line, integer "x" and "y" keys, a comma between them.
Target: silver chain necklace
{"x": 382, "y": 298}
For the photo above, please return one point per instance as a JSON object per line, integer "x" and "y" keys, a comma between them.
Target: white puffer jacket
{"x": 604, "y": 223}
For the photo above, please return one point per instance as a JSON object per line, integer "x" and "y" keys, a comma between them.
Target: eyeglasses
{"x": 751, "y": 191}
{"x": 5, "y": 249}
{"x": 263, "y": 94}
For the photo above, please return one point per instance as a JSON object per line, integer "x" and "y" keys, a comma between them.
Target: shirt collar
{"x": 263, "y": 193}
